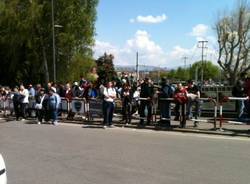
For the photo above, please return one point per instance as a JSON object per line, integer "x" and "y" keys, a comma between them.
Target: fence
{"x": 222, "y": 101}
{"x": 92, "y": 108}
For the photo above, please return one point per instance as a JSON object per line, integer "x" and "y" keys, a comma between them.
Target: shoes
{"x": 111, "y": 126}
{"x": 105, "y": 127}
{"x": 23, "y": 119}
{"x": 39, "y": 123}
{"x": 55, "y": 123}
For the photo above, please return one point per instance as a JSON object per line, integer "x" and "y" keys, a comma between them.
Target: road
{"x": 70, "y": 154}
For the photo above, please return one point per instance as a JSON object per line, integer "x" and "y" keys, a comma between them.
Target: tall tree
{"x": 26, "y": 38}
{"x": 233, "y": 32}
{"x": 105, "y": 68}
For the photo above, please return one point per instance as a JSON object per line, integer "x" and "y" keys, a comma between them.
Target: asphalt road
{"x": 70, "y": 154}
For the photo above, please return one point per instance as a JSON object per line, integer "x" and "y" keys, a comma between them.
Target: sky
{"x": 163, "y": 32}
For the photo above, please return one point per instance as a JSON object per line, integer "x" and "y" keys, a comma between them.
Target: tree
{"x": 211, "y": 71}
{"x": 26, "y": 39}
{"x": 105, "y": 68}
{"x": 234, "y": 43}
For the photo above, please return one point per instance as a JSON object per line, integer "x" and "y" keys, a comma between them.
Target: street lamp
{"x": 53, "y": 39}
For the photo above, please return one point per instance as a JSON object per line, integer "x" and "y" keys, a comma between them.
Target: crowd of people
{"x": 136, "y": 96}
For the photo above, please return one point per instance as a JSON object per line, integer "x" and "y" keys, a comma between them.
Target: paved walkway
{"x": 229, "y": 128}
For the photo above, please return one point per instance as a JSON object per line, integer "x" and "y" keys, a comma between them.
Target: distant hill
{"x": 130, "y": 68}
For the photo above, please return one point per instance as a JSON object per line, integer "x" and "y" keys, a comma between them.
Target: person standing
{"x": 126, "y": 95}
{"x": 109, "y": 94}
{"x": 16, "y": 102}
{"x": 238, "y": 91}
{"x": 25, "y": 101}
{"x": 164, "y": 104}
{"x": 52, "y": 106}
{"x": 180, "y": 97}
{"x": 193, "y": 94}
{"x": 146, "y": 101}
{"x": 40, "y": 96}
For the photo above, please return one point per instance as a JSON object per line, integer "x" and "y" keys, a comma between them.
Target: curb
{"x": 170, "y": 129}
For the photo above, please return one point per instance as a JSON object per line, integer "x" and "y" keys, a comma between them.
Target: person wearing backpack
{"x": 164, "y": 104}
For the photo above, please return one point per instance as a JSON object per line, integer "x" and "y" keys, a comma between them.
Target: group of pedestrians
{"x": 136, "y": 97}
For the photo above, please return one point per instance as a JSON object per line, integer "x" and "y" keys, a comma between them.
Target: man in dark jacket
{"x": 164, "y": 104}
{"x": 146, "y": 101}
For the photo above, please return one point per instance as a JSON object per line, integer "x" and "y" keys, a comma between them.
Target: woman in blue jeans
{"x": 109, "y": 94}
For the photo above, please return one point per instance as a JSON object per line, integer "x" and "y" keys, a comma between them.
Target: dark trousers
{"x": 23, "y": 110}
{"x": 183, "y": 113}
{"x": 126, "y": 111}
{"x": 108, "y": 110}
{"x": 165, "y": 111}
{"x": 40, "y": 114}
{"x": 143, "y": 105}
{"x": 17, "y": 110}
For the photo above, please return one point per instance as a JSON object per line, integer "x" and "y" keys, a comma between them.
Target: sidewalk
{"x": 233, "y": 128}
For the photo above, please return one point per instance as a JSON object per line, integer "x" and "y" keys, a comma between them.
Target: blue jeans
{"x": 53, "y": 114}
{"x": 240, "y": 108}
{"x": 196, "y": 103}
{"x": 108, "y": 110}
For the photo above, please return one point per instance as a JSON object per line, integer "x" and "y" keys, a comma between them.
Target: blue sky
{"x": 162, "y": 31}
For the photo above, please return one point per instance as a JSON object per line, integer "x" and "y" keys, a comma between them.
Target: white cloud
{"x": 199, "y": 30}
{"x": 151, "y": 53}
{"x": 149, "y": 19}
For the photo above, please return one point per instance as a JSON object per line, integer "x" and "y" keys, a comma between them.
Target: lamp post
{"x": 53, "y": 41}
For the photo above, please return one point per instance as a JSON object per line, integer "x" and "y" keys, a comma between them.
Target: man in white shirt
{"x": 109, "y": 94}
{"x": 24, "y": 103}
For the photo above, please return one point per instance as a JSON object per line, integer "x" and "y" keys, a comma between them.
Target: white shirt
{"x": 25, "y": 92}
{"x": 109, "y": 92}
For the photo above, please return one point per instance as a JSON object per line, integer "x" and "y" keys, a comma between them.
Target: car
{"x": 3, "y": 175}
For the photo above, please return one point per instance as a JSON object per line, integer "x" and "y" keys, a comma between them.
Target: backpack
{"x": 167, "y": 92}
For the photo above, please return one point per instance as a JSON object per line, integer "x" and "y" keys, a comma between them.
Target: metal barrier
{"x": 6, "y": 104}
{"x": 226, "y": 99}
{"x": 213, "y": 101}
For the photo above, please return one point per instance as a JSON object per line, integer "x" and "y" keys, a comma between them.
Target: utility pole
{"x": 185, "y": 65}
{"x": 202, "y": 46}
{"x": 53, "y": 40}
{"x": 137, "y": 67}
{"x": 185, "y": 61}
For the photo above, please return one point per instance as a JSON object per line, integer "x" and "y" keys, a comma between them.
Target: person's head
{"x": 38, "y": 86}
{"x": 22, "y": 87}
{"x": 179, "y": 86}
{"x": 67, "y": 86}
{"x": 146, "y": 80}
{"x": 42, "y": 91}
{"x": 15, "y": 89}
{"x": 109, "y": 84}
{"x": 51, "y": 91}
{"x": 49, "y": 85}
{"x": 190, "y": 83}
{"x": 93, "y": 70}
{"x": 163, "y": 80}
{"x": 75, "y": 83}
{"x": 30, "y": 86}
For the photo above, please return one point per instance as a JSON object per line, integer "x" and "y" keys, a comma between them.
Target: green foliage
{"x": 26, "y": 39}
{"x": 105, "y": 68}
{"x": 210, "y": 70}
